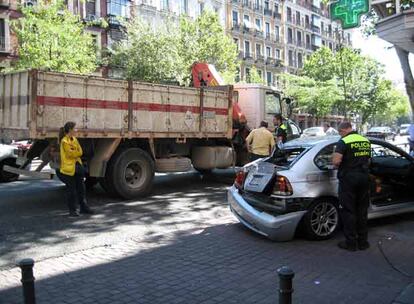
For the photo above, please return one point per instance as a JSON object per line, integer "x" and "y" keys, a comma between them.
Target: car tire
{"x": 203, "y": 171}
{"x": 322, "y": 219}
{"x": 7, "y": 177}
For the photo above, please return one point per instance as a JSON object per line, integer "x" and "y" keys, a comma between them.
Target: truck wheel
{"x": 7, "y": 177}
{"x": 132, "y": 173}
{"x": 322, "y": 219}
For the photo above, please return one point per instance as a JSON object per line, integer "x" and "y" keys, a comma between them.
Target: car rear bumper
{"x": 277, "y": 228}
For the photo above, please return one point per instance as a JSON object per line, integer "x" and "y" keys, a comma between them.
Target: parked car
{"x": 297, "y": 187}
{"x": 384, "y": 133}
{"x": 313, "y": 132}
{"x": 8, "y": 156}
{"x": 404, "y": 129}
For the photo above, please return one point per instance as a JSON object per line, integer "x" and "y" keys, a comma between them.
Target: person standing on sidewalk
{"x": 351, "y": 157}
{"x": 71, "y": 171}
{"x": 260, "y": 142}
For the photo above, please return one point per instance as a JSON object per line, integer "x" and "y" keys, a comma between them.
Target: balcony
{"x": 300, "y": 43}
{"x": 277, "y": 39}
{"x": 268, "y": 12}
{"x": 316, "y": 9}
{"x": 235, "y": 27}
{"x": 308, "y": 26}
{"x": 278, "y": 63}
{"x": 246, "y": 4}
{"x": 289, "y": 19}
{"x": 240, "y": 56}
{"x": 114, "y": 21}
{"x": 258, "y": 33}
{"x": 246, "y": 30}
{"x": 247, "y": 56}
{"x": 259, "y": 58}
{"x": 308, "y": 46}
{"x": 267, "y": 36}
{"x": 258, "y": 7}
{"x": 316, "y": 29}
{"x": 291, "y": 41}
{"x": 277, "y": 15}
{"x": 4, "y": 3}
{"x": 270, "y": 61}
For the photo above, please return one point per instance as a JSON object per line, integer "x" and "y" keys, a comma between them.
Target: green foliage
{"x": 255, "y": 77}
{"x": 311, "y": 96}
{"x": 167, "y": 52}
{"x": 345, "y": 81}
{"x": 50, "y": 37}
{"x": 396, "y": 108}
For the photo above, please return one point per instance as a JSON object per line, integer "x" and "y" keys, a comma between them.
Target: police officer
{"x": 280, "y": 129}
{"x": 351, "y": 157}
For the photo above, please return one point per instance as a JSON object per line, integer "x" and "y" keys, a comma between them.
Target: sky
{"x": 384, "y": 53}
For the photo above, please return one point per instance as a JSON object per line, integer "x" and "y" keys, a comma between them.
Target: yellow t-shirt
{"x": 261, "y": 141}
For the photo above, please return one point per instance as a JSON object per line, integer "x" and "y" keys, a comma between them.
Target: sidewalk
{"x": 224, "y": 263}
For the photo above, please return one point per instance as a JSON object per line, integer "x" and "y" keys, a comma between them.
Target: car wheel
{"x": 7, "y": 177}
{"x": 322, "y": 219}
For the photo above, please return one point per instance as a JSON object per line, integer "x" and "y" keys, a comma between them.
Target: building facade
{"x": 277, "y": 36}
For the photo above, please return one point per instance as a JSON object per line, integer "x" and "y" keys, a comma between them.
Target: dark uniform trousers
{"x": 354, "y": 201}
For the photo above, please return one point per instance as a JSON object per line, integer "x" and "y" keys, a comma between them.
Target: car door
{"x": 392, "y": 175}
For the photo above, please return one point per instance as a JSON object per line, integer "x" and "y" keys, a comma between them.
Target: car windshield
{"x": 286, "y": 157}
{"x": 313, "y": 130}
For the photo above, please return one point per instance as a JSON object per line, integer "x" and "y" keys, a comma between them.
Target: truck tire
{"x": 7, "y": 177}
{"x": 131, "y": 173}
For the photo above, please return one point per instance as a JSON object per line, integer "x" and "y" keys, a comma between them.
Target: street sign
{"x": 349, "y": 12}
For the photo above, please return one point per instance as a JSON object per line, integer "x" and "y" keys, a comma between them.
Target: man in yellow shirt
{"x": 260, "y": 142}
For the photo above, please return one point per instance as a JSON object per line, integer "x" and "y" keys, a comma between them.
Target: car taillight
{"x": 239, "y": 181}
{"x": 282, "y": 186}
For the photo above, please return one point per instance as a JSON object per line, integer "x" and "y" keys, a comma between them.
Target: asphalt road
{"x": 34, "y": 221}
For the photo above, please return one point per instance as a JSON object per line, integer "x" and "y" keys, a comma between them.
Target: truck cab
{"x": 259, "y": 102}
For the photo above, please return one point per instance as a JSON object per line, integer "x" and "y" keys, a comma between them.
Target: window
{"x": 267, "y": 25}
{"x": 290, "y": 35}
{"x": 289, "y": 14}
{"x": 258, "y": 24}
{"x": 300, "y": 61}
{"x": 323, "y": 42}
{"x": 259, "y": 72}
{"x": 268, "y": 52}
{"x": 266, "y": 4}
{"x": 247, "y": 74}
{"x": 165, "y": 5}
{"x": 277, "y": 54}
{"x": 322, "y": 27}
{"x": 297, "y": 18}
{"x": 3, "y": 45}
{"x": 91, "y": 8}
{"x": 307, "y": 23}
{"x": 258, "y": 50}
{"x": 247, "y": 48}
{"x": 269, "y": 78}
{"x": 299, "y": 37}
{"x": 237, "y": 78}
{"x": 330, "y": 29}
{"x": 121, "y": 7}
{"x": 276, "y": 8}
{"x": 236, "y": 42}
{"x": 331, "y": 46}
{"x": 277, "y": 33}
{"x": 323, "y": 160}
{"x": 290, "y": 54}
{"x": 246, "y": 17}
{"x": 272, "y": 103}
{"x": 184, "y": 6}
{"x": 308, "y": 41}
{"x": 235, "y": 18}
{"x": 201, "y": 7}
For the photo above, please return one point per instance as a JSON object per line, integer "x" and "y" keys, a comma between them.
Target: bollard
{"x": 28, "y": 279}
{"x": 285, "y": 285}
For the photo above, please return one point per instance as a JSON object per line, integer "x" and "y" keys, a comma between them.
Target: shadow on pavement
{"x": 221, "y": 264}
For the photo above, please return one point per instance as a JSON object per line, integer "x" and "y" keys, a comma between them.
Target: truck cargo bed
{"x": 35, "y": 104}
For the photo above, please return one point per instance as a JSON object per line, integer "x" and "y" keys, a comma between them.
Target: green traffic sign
{"x": 349, "y": 12}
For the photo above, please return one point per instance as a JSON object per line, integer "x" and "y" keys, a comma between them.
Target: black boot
{"x": 85, "y": 209}
{"x": 73, "y": 213}
{"x": 347, "y": 246}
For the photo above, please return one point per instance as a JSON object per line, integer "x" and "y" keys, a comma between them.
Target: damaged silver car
{"x": 297, "y": 187}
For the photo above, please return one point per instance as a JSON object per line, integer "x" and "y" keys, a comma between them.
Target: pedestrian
{"x": 351, "y": 157}
{"x": 260, "y": 142}
{"x": 71, "y": 171}
{"x": 280, "y": 129}
{"x": 411, "y": 138}
{"x": 329, "y": 130}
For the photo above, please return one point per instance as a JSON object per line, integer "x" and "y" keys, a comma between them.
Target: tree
{"x": 149, "y": 53}
{"x": 50, "y": 37}
{"x": 255, "y": 77}
{"x": 167, "y": 51}
{"x": 311, "y": 96}
{"x": 321, "y": 65}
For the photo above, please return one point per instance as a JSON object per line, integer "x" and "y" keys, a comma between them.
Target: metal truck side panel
{"x": 14, "y": 105}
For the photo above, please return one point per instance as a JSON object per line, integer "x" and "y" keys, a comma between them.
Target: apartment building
{"x": 277, "y": 36}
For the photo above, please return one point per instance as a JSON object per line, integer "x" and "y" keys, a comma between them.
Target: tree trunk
{"x": 408, "y": 75}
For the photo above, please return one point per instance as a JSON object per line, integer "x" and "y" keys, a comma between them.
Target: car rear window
{"x": 286, "y": 157}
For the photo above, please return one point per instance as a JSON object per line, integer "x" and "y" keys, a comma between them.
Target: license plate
{"x": 256, "y": 181}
